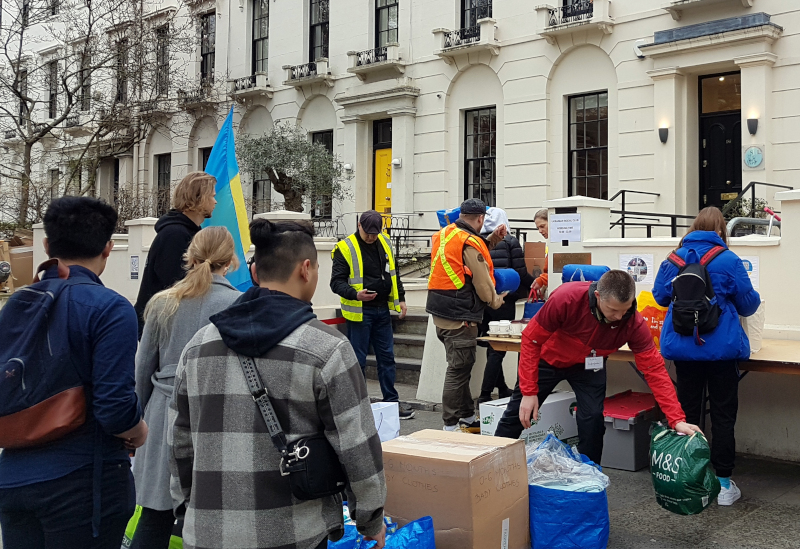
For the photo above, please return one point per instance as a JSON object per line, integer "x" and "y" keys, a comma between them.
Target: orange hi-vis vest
{"x": 448, "y": 271}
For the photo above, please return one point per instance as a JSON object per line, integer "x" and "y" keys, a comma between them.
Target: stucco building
{"x": 429, "y": 102}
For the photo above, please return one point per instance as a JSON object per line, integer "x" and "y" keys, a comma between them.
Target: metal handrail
{"x": 622, "y": 220}
{"x": 752, "y": 188}
{"x": 673, "y": 224}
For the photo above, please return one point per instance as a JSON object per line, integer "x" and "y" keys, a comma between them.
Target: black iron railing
{"x": 10, "y": 134}
{"x": 72, "y": 121}
{"x": 200, "y": 94}
{"x": 38, "y": 127}
{"x": 372, "y": 56}
{"x": 326, "y": 228}
{"x": 575, "y": 12}
{"x": 462, "y": 37}
{"x": 244, "y": 83}
{"x": 752, "y": 188}
{"x": 304, "y": 71}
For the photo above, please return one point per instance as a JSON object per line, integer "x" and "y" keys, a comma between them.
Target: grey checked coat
{"x": 224, "y": 465}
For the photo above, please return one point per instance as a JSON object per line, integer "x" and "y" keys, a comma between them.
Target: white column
{"x": 355, "y": 153}
{"x": 670, "y": 158}
{"x": 757, "y": 103}
{"x": 403, "y": 149}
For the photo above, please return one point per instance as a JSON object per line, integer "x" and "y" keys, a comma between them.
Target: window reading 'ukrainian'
{"x": 588, "y": 145}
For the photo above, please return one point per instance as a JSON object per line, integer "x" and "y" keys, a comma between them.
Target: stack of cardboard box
{"x": 535, "y": 257}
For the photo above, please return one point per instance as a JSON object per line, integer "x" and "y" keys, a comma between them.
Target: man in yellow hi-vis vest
{"x": 364, "y": 275}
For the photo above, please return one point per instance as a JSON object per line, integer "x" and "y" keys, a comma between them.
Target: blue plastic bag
{"x": 414, "y": 535}
{"x": 568, "y": 520}
{"x": 531, "y": 308}
{"x": 583, "y": 273}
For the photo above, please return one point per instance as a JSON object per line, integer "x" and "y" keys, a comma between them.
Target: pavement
{"x": 767, "y": 516}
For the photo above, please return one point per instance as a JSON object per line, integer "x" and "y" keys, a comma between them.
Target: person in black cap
{"x": 460, "y": 288}
{"x": 364, "y": 275}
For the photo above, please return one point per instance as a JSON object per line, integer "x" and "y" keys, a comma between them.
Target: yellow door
{"x": 383, "y": 181}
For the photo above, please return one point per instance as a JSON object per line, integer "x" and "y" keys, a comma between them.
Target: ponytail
{"x": 210, "y": 250}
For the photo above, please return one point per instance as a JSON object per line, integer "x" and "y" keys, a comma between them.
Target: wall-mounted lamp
{"x": 752, "y": 125}
{"x": 396, "y": 162}
{"x": 663, "y": 134}
{"x": 241, "y": 5}
{"x": 348, "y": 167}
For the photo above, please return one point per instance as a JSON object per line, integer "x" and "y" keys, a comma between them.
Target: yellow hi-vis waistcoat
{"x": 349, "y": 248}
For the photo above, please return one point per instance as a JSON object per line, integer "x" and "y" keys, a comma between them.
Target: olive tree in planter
{"x": 296, "y": 167}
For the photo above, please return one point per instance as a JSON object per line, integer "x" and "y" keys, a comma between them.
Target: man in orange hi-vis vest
{"x": 460, "y": 287}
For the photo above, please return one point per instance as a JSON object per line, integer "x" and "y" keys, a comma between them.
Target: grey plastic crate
{"x": 626, "y": 444}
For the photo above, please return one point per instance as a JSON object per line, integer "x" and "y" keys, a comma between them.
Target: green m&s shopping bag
{"x": 680, "y": 467}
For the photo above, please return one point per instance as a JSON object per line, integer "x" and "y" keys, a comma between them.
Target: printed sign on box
{"x": 555, "y": 416}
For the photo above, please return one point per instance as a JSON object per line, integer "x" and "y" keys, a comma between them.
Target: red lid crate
{"x": 629, "y": 405}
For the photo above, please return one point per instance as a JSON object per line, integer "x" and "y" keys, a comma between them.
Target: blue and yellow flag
{"x": 230, "y": 211}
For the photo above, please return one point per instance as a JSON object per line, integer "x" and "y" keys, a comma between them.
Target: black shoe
{"x": 473, "y": 428}
{"x": 406, "y": 412}
{"x": 506, "y": 393}
{"x": 484, "y": 398}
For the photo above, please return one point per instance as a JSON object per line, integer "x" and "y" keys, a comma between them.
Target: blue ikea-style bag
{"x": 417, "y": 534}
{"x": 568, "y": 520}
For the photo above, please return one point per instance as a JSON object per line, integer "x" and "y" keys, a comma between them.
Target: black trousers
{"x": 722, "y": 379}
{"x": 590, "y": 392}
{"x": 493, "y": 374}
{"x": 154, "y": 529}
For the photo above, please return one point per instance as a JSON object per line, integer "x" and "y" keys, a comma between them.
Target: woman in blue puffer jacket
{"x": 715, "y": 363}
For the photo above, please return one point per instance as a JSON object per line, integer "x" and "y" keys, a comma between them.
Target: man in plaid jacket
{"x": 225, "y": 469}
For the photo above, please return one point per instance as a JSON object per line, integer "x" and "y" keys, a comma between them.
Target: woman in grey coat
{"x": 172, "y": 317}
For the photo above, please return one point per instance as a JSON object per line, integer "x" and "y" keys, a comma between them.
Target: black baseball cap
{"x": 371, "y": 221}
{"x": 473, "y": 206}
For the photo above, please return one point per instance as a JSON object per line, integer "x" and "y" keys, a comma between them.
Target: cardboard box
{"x": 21, "y": 259}
{"x": 535, "y": 265}
{"x": 535, "y": 249}
{"x": 555, "y": 416}
{"x": 474, "y": 487}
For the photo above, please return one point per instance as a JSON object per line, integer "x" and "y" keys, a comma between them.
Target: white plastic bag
{"x": 555, "y": 465}
{"x": 754, "y": 327}
{"x": 387, "y": 419}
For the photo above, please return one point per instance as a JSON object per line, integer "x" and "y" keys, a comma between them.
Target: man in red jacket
{"x": 569, "y": 339}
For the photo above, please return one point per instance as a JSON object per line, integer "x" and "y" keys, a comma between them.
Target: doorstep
{"x": 407, "y": 395}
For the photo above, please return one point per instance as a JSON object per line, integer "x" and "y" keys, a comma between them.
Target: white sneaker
{"x": 728, "y": 496}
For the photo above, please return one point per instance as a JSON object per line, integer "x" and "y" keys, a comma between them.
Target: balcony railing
{"x": 72, "y": 121}
{"x": 383, "y": 58}
{"x": 10, "y": 134}
{"x": 572, "y": 15}
{"x": 200, "y": 96}
{"x": 38, "y": 127}
{"x": 308, "y": 73}
{"x": 250, "y": 86}
{"x": 467, "y": 40}
{"x": 677, "y": 7}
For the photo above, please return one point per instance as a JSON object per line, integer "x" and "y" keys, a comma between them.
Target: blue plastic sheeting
{"x": 568, "y": 520}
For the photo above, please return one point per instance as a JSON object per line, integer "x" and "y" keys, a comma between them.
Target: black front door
{"x": 720, "y": 159}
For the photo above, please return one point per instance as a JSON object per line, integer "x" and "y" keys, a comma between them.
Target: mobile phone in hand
{"x": 371, "y": 291}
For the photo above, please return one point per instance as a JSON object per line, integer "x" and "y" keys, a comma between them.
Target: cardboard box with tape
{"x": 474, "y": 487}
{"x": 555, "y": 416}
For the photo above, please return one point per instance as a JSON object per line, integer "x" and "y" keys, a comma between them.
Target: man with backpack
{"x": 68, "y": 410}
{"x": 568, "y": 340}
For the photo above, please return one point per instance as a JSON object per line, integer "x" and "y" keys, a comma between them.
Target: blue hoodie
{"x": 735, "y": 295}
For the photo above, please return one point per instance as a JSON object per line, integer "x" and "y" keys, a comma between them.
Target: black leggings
{"x": 154, "y": 529}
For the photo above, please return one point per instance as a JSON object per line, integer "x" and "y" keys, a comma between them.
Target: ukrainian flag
{"x": 230, "y": 211}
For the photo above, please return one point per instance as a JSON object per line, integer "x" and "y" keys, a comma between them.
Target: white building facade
{"x": 428, "y": 102}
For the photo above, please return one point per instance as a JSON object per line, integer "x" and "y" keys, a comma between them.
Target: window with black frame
{"x": 208, "y": 41}
{"x": 52, "y": 86}
{"x": 322, "y": 204}
{"x": 262, "y": 194}
{"x": 163, "y": 175}
{"x": 23, "y": 92}
{"x": 473, "y": 11}
{"x": 162, "y": 60}
{"x": 122, "y": 67}
{"x": 260, "y": 35}
{"x": 85, "y": 98}
{"x": 480, "y": 155}
{"x": 318, "y": 33}
{"x": 588, "y": 145}
{"x": 385, "y": 23}
{"x": 205, "y": 154}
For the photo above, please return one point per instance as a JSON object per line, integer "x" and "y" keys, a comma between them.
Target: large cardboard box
{"x": 535, "y": 249}
{"x": 535, "y": 265}
{"x": 555, "y": 416}
{"x": 474, "y": 487}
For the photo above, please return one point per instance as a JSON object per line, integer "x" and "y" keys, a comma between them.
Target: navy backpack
{"x": 41, "y": 392}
